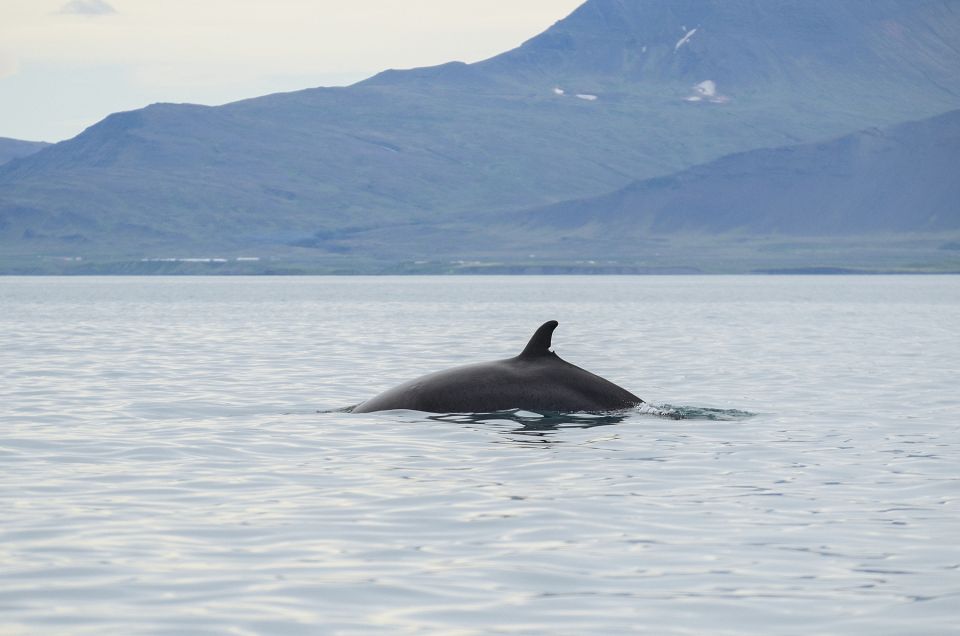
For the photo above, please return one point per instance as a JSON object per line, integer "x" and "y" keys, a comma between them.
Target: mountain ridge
{"x": 11, "y": 149}
{"x": 875, "y": 181}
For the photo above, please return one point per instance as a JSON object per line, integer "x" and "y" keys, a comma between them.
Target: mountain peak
{"x": 739, "y": 42}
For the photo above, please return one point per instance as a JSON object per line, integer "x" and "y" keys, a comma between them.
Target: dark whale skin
{"x": 536, "y": 380}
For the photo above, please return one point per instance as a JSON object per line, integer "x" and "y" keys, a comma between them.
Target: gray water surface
{"x": 164, "y": 469}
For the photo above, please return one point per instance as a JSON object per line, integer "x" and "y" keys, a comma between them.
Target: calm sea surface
{"x": 164, "y": 467}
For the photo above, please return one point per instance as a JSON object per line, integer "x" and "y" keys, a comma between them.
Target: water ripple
{"x": 164, "y": 469}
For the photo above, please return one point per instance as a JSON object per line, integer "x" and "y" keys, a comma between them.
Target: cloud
{"x": 88, "y": 7}
{"x": 9, "y": 64}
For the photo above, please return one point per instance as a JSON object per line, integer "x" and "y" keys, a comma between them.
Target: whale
{"x": 537, "y": 380}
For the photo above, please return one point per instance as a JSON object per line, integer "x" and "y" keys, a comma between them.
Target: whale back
{"x": 536, "y": 380}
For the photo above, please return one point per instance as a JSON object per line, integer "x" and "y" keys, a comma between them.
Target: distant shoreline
{"x": 798, "y": 272}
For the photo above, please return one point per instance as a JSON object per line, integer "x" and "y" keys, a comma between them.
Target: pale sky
{"x": 66, "y": 64}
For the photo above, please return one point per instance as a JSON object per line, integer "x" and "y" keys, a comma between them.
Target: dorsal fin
{"x": 539, "y": 344}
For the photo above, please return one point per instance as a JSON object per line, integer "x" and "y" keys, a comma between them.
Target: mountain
{"x": 618, "y": 91}
{"x": 15, "y": 148}
{"x": 901, "y": 179}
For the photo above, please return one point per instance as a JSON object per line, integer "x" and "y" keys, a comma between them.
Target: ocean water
{"x": 172, "y": 460}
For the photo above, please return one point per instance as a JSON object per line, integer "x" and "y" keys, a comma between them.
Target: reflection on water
{"x": 544, "y": 426}
{"x": 545, "y": 422}
{"x": 530, "y": 422}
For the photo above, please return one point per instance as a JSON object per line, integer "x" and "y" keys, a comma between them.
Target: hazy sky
{"x": 65, "y": 64}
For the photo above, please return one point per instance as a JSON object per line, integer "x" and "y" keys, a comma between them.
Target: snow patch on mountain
{"x": 684, "y": 39}
{"x": 706, "y": 91}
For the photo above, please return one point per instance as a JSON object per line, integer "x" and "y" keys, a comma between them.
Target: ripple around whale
{"x": 704, "y": 413}
{"x": 555, "y": 420}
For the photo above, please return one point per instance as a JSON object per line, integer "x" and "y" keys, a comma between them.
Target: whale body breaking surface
{"x": 536, "y": 380}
